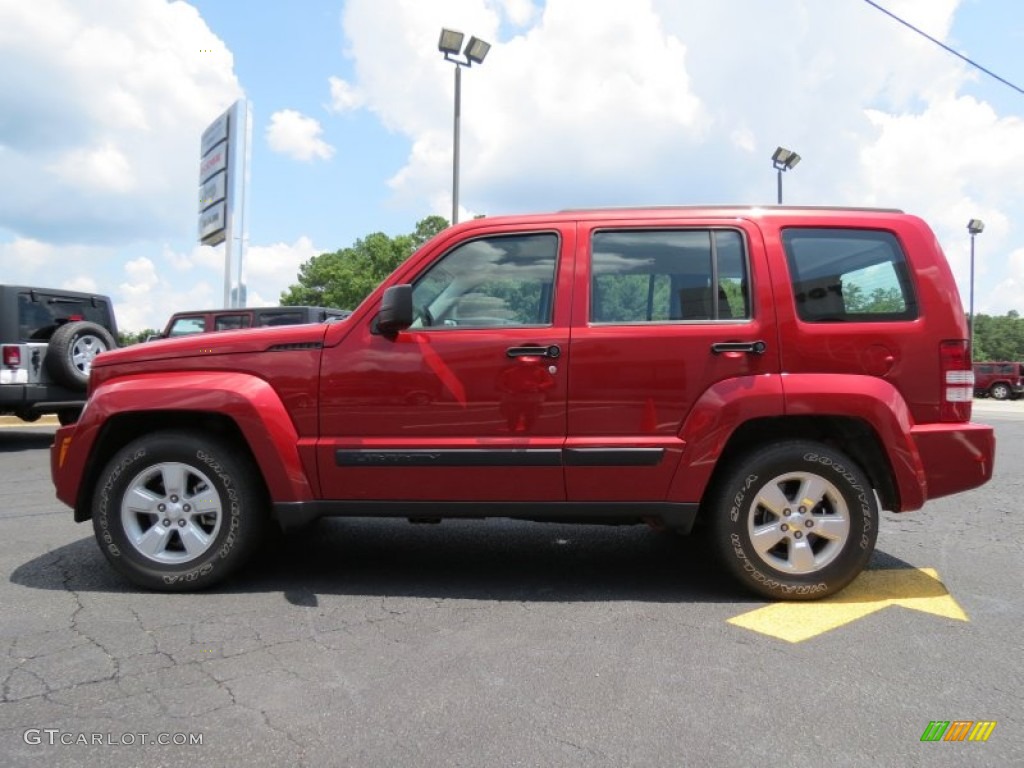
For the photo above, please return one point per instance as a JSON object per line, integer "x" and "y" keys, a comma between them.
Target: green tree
{"x": 999, "y": 337}
{"x": 345, "y": 277}
{"x": 125, "y": 339}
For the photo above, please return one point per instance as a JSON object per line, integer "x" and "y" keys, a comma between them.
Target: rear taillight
{"x": 12, "y": 356}
{"x": 957, "y": 384}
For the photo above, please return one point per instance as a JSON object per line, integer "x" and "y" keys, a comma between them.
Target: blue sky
{"x": 580, "y": 102}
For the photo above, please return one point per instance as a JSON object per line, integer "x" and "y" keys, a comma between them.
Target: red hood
{"x": 248, "y": 340}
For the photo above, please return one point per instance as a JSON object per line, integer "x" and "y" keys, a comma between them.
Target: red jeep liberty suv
{"x": 780, "y": 374}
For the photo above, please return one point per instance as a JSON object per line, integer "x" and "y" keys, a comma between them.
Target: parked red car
{"x": 777, "y": 373}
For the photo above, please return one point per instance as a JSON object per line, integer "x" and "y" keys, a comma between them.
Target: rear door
{"x": 661, "y": 313}
{"x": 469, "y": 404}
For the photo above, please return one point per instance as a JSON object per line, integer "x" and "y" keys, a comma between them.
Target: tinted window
{"x": 186, "y": 326}
{"x": 37, "y": 320}
{"x": 657, "y": 276}
{"x": 290, "y": 317}
{"x": 841, "y": 274}
{"x": 494, "y": 281}
{"x": 230, "y": 322}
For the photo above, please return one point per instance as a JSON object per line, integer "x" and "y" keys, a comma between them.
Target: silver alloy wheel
{"x": 84, "y": 351}
{"x": 171, "y": 513}
{"x": 798, "y": 523}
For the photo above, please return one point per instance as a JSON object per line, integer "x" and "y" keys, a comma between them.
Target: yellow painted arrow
{"x": 918, "y": 589}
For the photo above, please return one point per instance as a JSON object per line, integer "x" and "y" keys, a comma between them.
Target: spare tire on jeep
{"x": 72, "y": 349}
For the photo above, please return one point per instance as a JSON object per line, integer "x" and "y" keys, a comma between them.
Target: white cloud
{"x": 518, "y": 12}
{"x": 672, "y": 101}
{"x": 101, "y": 124}
{"x": 344, "y": 97}
{"x": 271, "y": 269}
{"x": 298, "y": 136}
{"x": 103, "y": 170}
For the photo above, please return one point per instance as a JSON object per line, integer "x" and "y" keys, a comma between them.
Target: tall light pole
{"x": 475, "y": 52}
{"x": 783, "y": 160}
{"x": 975, "y": 227}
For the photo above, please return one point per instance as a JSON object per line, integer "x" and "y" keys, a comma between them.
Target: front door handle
{"x": 752, "y": 347}
{"x": 553, "y": 351}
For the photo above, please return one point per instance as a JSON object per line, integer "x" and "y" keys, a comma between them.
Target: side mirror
{"x": 395, "y": 310}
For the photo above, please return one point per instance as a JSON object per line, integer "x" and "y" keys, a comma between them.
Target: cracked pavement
{"x": 495, "y": 643}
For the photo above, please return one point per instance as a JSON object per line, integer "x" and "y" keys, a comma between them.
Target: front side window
{"x": 843, "y": 275}
{"x": 659, "y": 276}
{"x": 186, "y": 326}
{"x": 492, "y": 281}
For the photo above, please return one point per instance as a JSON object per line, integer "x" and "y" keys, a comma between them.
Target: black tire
{"x": 179, "y": 512}
{"x": 805, "y": 551}
{"x": 68, "y": 416}
{"x": 72, "y": 349}
{"x": 1000, "y": 391}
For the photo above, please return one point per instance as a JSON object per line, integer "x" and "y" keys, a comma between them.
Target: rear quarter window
{"x": 844, "y": 275}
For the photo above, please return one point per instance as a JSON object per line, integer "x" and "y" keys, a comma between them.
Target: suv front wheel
{"x": 175, "y": 511}
{"x": 794, "y": 521}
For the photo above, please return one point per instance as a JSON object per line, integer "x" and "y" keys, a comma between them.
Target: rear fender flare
{"x": 727, "y": 405}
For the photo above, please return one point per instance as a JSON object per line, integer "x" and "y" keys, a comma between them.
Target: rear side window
{"x": 848, "y": 275}
{"x": 230, "y": 322}
{"x": 290, "y": 317}
{"x": 659, "y": 276}
{"x": 41, "y": 315}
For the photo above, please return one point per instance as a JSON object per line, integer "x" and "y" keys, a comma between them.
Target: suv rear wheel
{"x": 176, "y": 512}
{"x": 72, "y": 349}
{"x": 1000, "y": 391}
{"x": 795, "y": 521}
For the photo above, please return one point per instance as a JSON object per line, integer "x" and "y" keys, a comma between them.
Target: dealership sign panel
{"x": 217, "y": 161}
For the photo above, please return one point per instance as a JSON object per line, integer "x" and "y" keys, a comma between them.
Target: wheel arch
{"x": 850, "y": 435}
{"x": 237, "y": 407}
{"x": 121, "y": 429}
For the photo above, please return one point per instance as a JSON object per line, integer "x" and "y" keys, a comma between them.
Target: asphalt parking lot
{"x": 513, "y": 644}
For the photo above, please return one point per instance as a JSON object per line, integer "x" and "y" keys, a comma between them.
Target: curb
{"x": 11, "y": 422}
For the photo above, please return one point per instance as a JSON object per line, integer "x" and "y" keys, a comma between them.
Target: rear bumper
{"x": 954, "y": 457}
{"x": 41, "y": 398}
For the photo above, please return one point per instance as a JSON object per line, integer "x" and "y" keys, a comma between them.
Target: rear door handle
{"x": 553, "y": 351}
{"x": 752, "y": 347}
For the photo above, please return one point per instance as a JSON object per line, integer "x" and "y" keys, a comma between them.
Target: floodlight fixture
{"x": 783, "y": 159}
{"x": 975, "y": 226}
{"x": 450, "y": 43}
{"x": 476, "y": 50}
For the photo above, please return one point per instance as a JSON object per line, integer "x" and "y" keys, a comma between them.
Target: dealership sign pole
{"x": 223, "y": 183}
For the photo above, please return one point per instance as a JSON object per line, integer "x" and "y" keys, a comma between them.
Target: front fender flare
{"x": 247, "y": 400}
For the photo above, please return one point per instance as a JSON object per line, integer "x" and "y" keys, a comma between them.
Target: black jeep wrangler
{"x": 48, "y": 339}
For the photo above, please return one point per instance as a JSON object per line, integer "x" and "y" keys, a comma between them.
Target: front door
{"x": 468, "y": 404}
